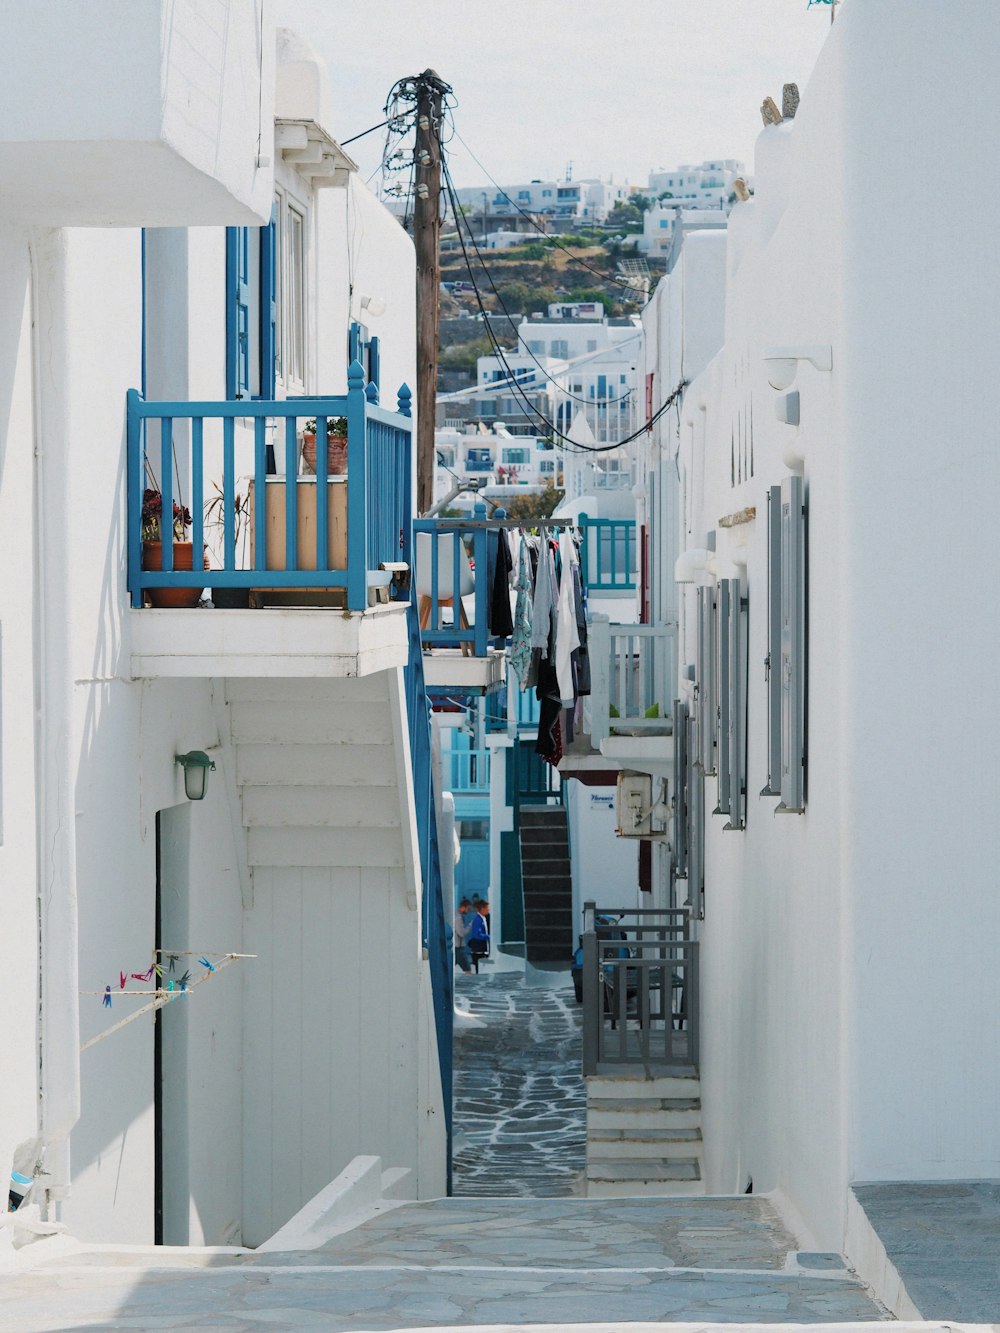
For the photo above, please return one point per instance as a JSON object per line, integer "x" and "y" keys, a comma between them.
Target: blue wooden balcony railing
{"x": 608, "y": 553}
{"x": 230, "y": 462}
{"x": 435, "y": 914}
{"x": 450, "y": 575}
{"x": 465, "y": 772}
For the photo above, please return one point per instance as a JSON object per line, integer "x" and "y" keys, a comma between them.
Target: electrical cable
{"x": 541, "y": 230}
{"x": 587, "y": 402}
{"x": 532, "y": 411}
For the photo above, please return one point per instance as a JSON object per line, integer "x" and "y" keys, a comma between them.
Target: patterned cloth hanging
{"x": 520, "y": 648}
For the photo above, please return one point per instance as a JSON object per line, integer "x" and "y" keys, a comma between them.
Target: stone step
{"x": 643, "y": 1189}
{"x": 543, "y": 836}
{"x": 357, "y": 806}
{"x": 641, "y": 1087}
{"x": 280, "y": 722}
{"x": 333, "y": 847}
{"x": 678, "y": 1143}
{"x": 640, "y": 1122}
{"x": 543, "y": 814}
{"x": 659, "y": 1170}
{"x": 322, "y": 765}
{"x": 546, "y": 867}
{"x": 323, "y": 691}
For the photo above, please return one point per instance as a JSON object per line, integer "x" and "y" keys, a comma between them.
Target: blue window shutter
{"x": 237, "y": 313}
{"x": 268, "y": 306}
{"x": 374, "y": 370}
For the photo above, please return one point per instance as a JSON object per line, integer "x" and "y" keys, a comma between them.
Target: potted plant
{"x": 152, "y": 549}
{"x": 336, "y": 446}
{"x": 228, "y": 598}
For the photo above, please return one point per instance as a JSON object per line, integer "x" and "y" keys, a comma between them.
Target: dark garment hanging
{"x": 581, "y": 655}
{"x": 500, "y": 563}
{"x": 549, "y": 742}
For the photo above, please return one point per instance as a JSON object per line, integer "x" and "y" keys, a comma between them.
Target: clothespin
{"x": 121, "y": 980}
{"x": 107, "y": 997}
{"x": 205, "y": 963}
{"x": 171, "y": 960}
{"x": 185, "y": 979}
{"x": 170, "y": 987}
{"x": 158, "y": 969}
{"x": 143, "y": 976}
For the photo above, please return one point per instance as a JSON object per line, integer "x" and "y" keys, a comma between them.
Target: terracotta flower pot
{"x": 336, "y": 454}
{"x": 152, "y": 558}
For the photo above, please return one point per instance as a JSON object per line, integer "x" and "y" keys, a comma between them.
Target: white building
{"x": 822, "y": 525}
{"x": 583, "y": 200}
{"x": 182, "y": 223}
{"x": 498, "y": 462}
{"x": 708, "y": 185}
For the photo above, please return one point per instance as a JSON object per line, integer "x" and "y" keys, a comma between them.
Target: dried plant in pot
{"x": 336, "y": 446}
{"x": 224, "y": 598}
{"x": 152, "y": 550}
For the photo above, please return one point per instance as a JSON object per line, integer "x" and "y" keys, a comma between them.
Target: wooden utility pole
{"x": 430, "y": 90}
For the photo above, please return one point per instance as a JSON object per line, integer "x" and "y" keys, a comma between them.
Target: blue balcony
{"x": 608, "y": 554}
{"x": 262, "y": 531}
{"x": 451, "y": 560}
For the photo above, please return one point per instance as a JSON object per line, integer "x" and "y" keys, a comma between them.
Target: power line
{"x": 565, "y": 249}
{"x": 500, "y": 353}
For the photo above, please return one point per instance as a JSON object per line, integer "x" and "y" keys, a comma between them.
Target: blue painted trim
{"x": 237, "y": 312}
{"x": 357, "y": 535}
{"x": 268, "y": 306}
{"x": 143, "y": 269}
{"x": 133, "y": 449}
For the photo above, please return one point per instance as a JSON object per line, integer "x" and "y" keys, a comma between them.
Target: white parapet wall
{"x": 136, "y": 112}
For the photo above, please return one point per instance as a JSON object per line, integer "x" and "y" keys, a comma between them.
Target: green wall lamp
{"x": 196, "y": 765}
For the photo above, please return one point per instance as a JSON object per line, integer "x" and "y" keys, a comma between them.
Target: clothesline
{"x": 492, "y": 524}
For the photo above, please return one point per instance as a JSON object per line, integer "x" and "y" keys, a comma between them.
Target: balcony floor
{"x": 285, "y": 641}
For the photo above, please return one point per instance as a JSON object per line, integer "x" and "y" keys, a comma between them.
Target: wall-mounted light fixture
{"x": 196, "y": 765}
{"x": 373, "y": 305}
{"x": 783, "y": 363}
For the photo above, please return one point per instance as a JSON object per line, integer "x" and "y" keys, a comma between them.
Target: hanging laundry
{"x": 546, "y": 597}
{"x": 581, "y": 658}
{"x": 520, "y": 649}
{"x": 499, "y": 566}
{"x": 567, "y": 634}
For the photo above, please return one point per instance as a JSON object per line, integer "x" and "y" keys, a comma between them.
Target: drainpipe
{"x": 58, "y": 982}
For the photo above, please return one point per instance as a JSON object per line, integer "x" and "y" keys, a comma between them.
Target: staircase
{"x": 331, "y": 913}
{"x": 643, "y": 1136}
{"x": 548, "y": 887}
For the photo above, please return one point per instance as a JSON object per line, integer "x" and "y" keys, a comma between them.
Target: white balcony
{"x": 136, "y": 112}
{"x": 287, "y": 641}
{"x": 629, "y": 714}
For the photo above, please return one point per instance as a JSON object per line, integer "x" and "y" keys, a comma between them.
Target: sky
{"x": 616, "y": 89}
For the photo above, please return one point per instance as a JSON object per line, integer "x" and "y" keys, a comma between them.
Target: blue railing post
{"x": 403, "y": 399}
{"x": 133, "y": 451}
{"x": 357, "y": 486}
{"x": 480, "y": 554}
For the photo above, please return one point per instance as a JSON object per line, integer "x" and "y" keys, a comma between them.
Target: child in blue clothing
{"x": 478, "y": 938}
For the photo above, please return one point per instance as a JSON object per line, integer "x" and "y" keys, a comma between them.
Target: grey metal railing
{"x": 640, "y": 989}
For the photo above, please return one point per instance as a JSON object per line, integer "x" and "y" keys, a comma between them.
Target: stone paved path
{"x": 457, "y": 1263}
{"x": 519, "y": 1117}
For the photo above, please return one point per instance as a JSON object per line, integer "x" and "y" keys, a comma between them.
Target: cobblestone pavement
{"x": 519, "y": 1102}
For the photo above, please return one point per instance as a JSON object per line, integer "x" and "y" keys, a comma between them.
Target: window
{"x": 478, "y": 460}
{"x": 591, "y": 344}
{"x": 295, "y": 305}
{"x": 547, "y": 465}
{"x": 524, "y": 194}
{"x": 732, "y": 693}
{"x": 251, "y": 275}
{"x": 546, "y": 194}
{"x": 537, "y": 347}
{"x": 518, "y": 456}
{"x": 559, "y": 347}
{"x": 786, "y": 648}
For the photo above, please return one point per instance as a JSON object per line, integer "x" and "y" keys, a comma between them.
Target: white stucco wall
{"x": 605, "y": 867}
{"x": 101, "y": 94}
{"x": 843, "y": 1008}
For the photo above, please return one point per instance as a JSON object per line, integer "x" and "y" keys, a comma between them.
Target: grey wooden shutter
{"x": 793, "y": 655}
{"x": 773, "y": 660}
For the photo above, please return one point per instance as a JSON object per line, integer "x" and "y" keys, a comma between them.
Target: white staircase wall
{"x": 336, "y": 1037}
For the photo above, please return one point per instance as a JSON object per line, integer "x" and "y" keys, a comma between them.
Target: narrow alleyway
{"x": 515, "y": 1255}
{"x": 519, "y": 1098}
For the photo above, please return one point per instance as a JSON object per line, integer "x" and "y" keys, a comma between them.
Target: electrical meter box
{"x": 635, "y": 805}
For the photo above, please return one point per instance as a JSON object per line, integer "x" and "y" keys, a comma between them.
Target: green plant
{"x": 334, "y": 426}
{"x": 152, "y": 518}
